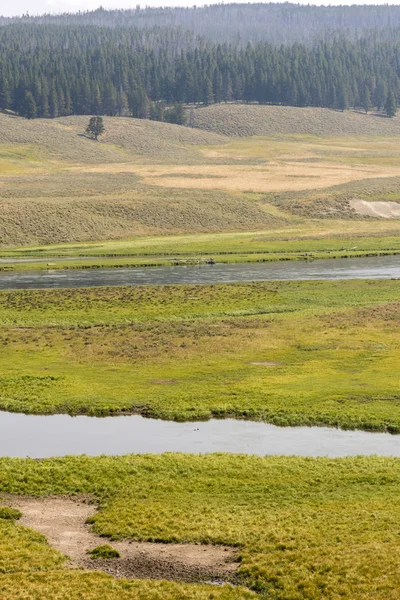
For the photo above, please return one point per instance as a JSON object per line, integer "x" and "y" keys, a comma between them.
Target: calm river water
{"x": 383, "y": 267}
{"x": 58, "y": 435}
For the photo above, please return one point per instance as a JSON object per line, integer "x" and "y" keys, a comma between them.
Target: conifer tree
{"x": 208, "y": 96}
{"x": 366, "y": 100}
{"x": 97, "y": 101}
{"x": 157, "y": 111}
{"x": 175, "y": 115}
{"x": 30, "y": 108}
{"x": 122, "y": 103}
{"x": 5, "y": 96}
{"x": 95, "y": 127}
{"x": 343, "y": 100}
{"x": 390, "y": 105}
{"x": 53, "y": 102}
{"x": 380, "y": 94}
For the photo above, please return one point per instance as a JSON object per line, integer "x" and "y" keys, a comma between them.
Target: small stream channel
{"x": 58, "y": 435}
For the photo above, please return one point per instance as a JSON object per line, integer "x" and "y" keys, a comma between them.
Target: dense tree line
{"x": 53, "y": 70}
{"x": 277, "y": 23}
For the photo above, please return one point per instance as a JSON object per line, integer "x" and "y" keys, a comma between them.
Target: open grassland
{"x": 303, "y": 528}
{"x": 288, "y": 353}
{"x": 149, "y": 179}
{"x": 273, "y": 164}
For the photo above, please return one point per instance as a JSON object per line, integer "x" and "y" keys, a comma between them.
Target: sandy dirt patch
{"x": 63, "y": 522}
{"x": 385, "y": 210}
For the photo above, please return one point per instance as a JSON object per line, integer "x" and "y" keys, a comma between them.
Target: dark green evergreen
{"x": 29, "y": 106}
{"x": 366, "y": 100}
{"x": 175, "y": 115}
{"x": 390, "y": 105}
{"x": 69, "y": 65}
{"x": 95, "y": 128}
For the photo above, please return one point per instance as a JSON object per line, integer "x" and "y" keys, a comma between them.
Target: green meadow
{"x": 303, "y": 528}
{"x": 289, "y": 353}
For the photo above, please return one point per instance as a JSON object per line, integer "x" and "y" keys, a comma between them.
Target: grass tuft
{"x": 104, "y": 551}
{"x": 10, "y": 513}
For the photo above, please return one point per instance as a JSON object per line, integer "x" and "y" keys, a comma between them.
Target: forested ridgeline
{"x": 241, "y": 23}
{"x": 53, "y": 70}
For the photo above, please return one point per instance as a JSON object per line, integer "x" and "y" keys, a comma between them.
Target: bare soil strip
{"x": 385, "y": 210}
{"x": 63, "y": 521}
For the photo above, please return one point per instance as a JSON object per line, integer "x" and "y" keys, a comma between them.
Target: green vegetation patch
{"x": 290, "y": 353}
{"x": 304, "y": 528}
{"x": 104, "y": 551}
{"x": 196, "y": 250}
{"x": 92, "y": 586}
{"x": 8, "y": 513}
{"x": 25, "y": 550}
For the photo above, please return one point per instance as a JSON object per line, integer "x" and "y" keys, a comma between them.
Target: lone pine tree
{"x": 95, "y": 127}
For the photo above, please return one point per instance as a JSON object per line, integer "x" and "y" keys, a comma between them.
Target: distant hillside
{"x": 50, "y": 71}
{"x": 278, "y": 23}
{"x": 244, "y": 120}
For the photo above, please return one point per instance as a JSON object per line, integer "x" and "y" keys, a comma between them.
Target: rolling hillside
{"x": 253, "y": 119}
{"x": 242, "y": 168}
{"x": 64, "y": 138}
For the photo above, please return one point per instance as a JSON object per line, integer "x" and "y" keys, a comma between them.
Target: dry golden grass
{"x": 282, "y": 176}
{"x": 271, "y": 165}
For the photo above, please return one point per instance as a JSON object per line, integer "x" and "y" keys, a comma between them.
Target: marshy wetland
{"x": 289, "y": 353}
{"x": 288, "y": 348}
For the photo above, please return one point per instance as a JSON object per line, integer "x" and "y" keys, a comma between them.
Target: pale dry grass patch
{"x": 279, "y": 176}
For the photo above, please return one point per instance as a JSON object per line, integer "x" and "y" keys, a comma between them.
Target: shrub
{"x": 104, "y": 551}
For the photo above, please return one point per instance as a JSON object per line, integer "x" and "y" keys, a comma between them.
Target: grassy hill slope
{"x": 253, "y": 119}
{"x": 56, "y": 185}
{"x": 145, "y": 178}
{"x": 64, "y": 138}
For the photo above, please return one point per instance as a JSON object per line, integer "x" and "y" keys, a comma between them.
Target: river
{"x": 383, "y": 267}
